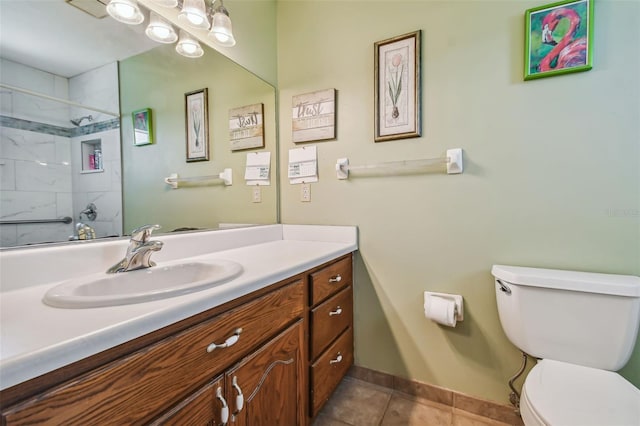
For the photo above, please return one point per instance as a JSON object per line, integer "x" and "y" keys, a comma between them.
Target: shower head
{"x": 77, "y": 121}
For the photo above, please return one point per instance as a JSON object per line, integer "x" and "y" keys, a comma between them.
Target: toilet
{"x": 582, "y": 328}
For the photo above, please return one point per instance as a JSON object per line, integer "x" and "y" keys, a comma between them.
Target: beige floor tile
{"x": 409, "y": 412}
{"x": 464, "y": 418}
{"x": 357, "y": 403}
{"x": 322, "y": 420}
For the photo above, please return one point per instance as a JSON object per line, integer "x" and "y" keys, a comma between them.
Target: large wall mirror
{"x": 68, "y": 150}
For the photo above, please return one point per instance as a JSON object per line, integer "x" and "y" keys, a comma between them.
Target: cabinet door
{"x": 266, "y": 388}
{"x": 206, "y": 407}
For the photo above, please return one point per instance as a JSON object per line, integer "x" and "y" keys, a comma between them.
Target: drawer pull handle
{"x": 224, "y": 411}
{"x": 239, "y": 397}
{"x": 338, "y": 311}
{"x": 335, "y": 279}
{"x": 337, "y": 360}
{"x": 231, "y": 340}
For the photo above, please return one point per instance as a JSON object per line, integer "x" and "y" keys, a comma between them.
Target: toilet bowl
{"x": 558, "y": 393}
{"x": 582, "y": 327}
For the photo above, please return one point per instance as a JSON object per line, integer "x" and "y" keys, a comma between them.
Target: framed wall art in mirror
{"x": 397, "y": 87}
{"x": 197, "y": 125}
{"x": 246, "y": 127}
{"x": 142, "y": 127}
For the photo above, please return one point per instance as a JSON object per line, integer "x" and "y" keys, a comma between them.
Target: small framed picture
{"x": 197, "y": 125}
{"x": 397, "y": 87}
{"x": 314, "y": 116}
{"x": 246, "y": 127}
{"x": 558, "y": 39}
{"x": 142, "y": 127}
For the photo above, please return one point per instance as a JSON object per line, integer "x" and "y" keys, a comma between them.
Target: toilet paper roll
{"x": 441, "y": 310}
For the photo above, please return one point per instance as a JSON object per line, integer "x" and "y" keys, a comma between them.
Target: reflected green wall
{"x": 158, "y": 79}
{"x": 552, "y": 171}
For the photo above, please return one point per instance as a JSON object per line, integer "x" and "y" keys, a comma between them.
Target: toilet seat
{"x": 560, "y": 394}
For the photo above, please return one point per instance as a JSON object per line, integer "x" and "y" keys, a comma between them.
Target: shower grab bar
{"x": 453, "y": 161}
{"x": 173, "y": 180}
{"x": 65, "y": 219}
{"x": 53, "y": 98}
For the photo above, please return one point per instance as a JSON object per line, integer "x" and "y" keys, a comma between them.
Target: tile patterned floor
{"x": 359, "y": 403}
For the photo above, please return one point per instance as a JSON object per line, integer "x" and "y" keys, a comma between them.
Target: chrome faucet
{"x": 139, "y": 251}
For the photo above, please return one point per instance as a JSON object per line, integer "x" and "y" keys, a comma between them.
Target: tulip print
{"x": 395, "y": 82}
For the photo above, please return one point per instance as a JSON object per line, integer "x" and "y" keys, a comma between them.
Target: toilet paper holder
{"x": 457, "y": 298}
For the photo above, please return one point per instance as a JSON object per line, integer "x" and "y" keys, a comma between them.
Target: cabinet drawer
{"x": 330, "y": 280}
{"x": 329, "y": 369}
{"x": 154, "y": 378}
{"x": 201, "y": 408}
{"x": 329, "y": 319}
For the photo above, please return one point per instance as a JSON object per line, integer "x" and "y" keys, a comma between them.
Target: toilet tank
{"x": 577, "y": 317}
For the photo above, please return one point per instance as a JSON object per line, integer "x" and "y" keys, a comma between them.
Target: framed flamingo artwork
{"x": 558, "y": 38}
{"x": 397, "y": 87}
{"x": 197, "y": 125}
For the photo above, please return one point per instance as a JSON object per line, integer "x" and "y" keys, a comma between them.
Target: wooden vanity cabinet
{"x": 175, "y": 371}
{"x": 262, "y": 389}
{"x": 330, "y": 329}
{"x": 272, "y": 357}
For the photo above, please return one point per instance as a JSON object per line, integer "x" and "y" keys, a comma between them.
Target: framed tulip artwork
{"x": 197, "y": 125}
{"x": 558, "y": 39}
{"x": 397, "y": 87}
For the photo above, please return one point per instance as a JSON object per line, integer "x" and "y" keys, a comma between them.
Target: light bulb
{"x": 222, "y": 31}
{"x": 194, "y": 14}
{"x": 126, "y": 11}
{"x": 160, "y": 30}
{"x": 189, "y": 47}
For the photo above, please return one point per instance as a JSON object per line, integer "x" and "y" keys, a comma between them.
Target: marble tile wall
{"x": 104, "y": 189}
{"x": 38, "y": 146}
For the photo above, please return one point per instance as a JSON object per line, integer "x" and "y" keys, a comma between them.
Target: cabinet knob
{"x": 337, "y": 360}
{"x": 338, "y": 311}
{"x": 224, "y": 411}
{"x": 231, "y": 340}
{"x": 335, "y": 279}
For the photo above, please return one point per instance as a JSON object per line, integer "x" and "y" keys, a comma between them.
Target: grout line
{"x": 384, "y": 413}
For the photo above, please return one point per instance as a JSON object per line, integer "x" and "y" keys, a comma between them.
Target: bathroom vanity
{"x": 270, "y": 348}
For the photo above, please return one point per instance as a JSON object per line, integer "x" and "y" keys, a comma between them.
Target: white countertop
{"x": 36, "y": 338}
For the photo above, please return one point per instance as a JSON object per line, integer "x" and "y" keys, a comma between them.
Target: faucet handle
{"x": 142, "y": 234}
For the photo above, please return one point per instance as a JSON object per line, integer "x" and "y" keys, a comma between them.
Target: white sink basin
{"x": 142, "y": 285}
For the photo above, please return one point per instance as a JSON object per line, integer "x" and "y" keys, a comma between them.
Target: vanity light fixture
{"x": 166, "y": 3}
{"x": 126, "y": 11}
{"x": 160, "y": 30}
{"x": 188, "y": 46}
{"x": 222, "y": 31}
{"x": 194, "y": 14}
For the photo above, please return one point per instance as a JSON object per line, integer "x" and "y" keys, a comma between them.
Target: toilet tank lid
{"x": 619, "y": 285}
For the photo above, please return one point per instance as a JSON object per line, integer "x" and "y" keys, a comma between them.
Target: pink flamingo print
{"x": 566, "y": 53}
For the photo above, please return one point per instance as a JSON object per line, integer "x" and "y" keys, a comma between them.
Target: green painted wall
{"x": 159, "y": 79}
{"x": 552, "y": 171}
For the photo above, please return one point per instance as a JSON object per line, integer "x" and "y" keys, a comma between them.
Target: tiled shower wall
{"x": 39, "y": 152}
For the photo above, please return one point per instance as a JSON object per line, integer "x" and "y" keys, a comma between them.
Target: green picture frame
{"x": 558, "y": 39}
{"x": 142, "y": 127}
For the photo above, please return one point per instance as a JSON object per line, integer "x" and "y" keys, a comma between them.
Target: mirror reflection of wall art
{"x": 397, "y": 87}
{"x": 197, "y": 123}
{"x": 246, "y": 127}
{"x": 314, "y": 116}
{"x": 559, "y": 37}
{"x": 142, "y": 127}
